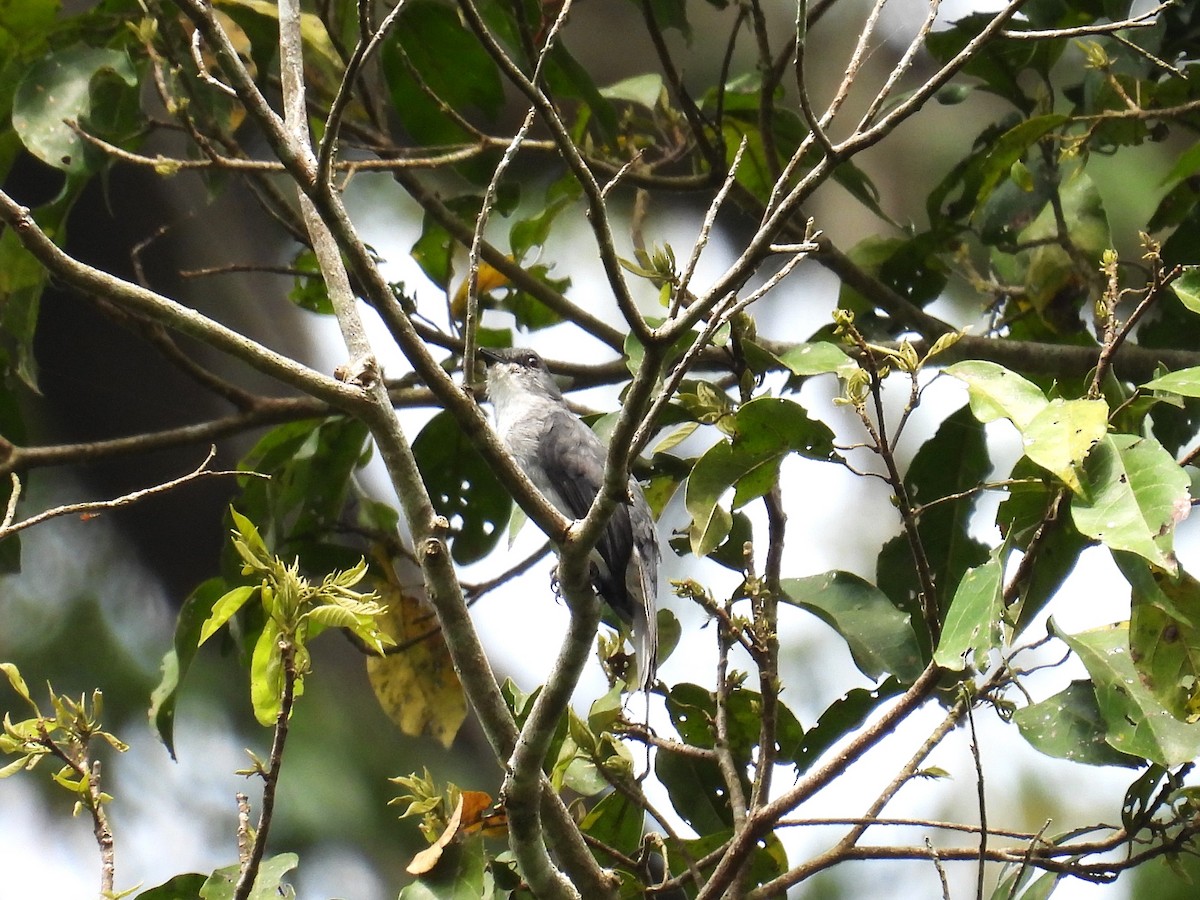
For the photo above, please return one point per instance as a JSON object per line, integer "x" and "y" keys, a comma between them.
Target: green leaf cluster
{"x": 66, "y": 736}
{"x": 295, "y": 612}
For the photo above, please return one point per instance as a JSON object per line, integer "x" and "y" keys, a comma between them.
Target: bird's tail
{"x": 645, "y": 628}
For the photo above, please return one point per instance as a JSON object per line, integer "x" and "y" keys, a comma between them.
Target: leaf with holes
{"x": 1164, "y": 638}
{"x": 880, "y": 636}
{"x": 1185, "y": 382}
{"x": 997, "y": 393}
{"x": 1136, "y": 722}
{"x": 462, "y": 488}
{"x": 763, "y": 432}
{"x": 1069, "y": 726}
{"x": 1062, "y": 434}
{"x": 973, "y": 620}
{"x": 1134, "y": 494}
{"x": 71, "y": 87}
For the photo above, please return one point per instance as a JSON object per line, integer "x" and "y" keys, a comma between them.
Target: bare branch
{"x": 1147, "y": 19}
{"x": 156, "y": 307}
{"x": 92, "y": 508}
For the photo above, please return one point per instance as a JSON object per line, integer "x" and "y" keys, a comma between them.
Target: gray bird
{"x": 565, "y": 459}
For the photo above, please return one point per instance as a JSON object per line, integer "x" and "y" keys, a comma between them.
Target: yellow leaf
{"x": 490, "y": 279}
{"x": 424, "y": 861}
{"x": 416, "y": 685}
{"x": 312, "y": 29}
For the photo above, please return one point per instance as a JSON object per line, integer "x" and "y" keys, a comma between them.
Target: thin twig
{"x": 799, "y": 59}
{"x": 243, "y": 828}
{"x": 90, "y": 508}
{"x": 1142, "y": 20}
{"x": 600, "y": 223}
{"x": 941, "y": 870}
{"x": 903, "y": 65}
{"x": 710, "y": 218}
{"x": 202, "y": 69}
{"x": 902, "y": 822}
{"x": 1119, "y": 334}
{"x": 921, "y": 508}
{"x": 249, "y": 871}
{"x": 363, "y": 51}
{"x": 979, "y": 787}
{"x": 760, "y": 821}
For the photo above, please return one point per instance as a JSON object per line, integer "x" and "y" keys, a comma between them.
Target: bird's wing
{"x": 573, "y": 459}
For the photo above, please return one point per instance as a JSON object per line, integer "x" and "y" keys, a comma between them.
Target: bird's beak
{"x": 490, "y": 355}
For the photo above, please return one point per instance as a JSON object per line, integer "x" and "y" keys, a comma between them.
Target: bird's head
{"x": 513, "y": 371}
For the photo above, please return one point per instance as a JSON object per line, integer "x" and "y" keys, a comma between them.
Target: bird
{"x": 565, "y": 460}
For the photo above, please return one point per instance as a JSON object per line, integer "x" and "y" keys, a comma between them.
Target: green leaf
{"x": 568, "y": 79}
{"x": 842, "y": 717}
{"x": 1024, "y": 883}
{"x": 462, "y": 487}
{"x": 1000, "y": 65}
{"x": 529, "y": 312}
{"x": 532, "y": 231}
{"x": 615, "y": 822}
{"x": 224, "y": 609}
{"x": 763, "y": 432}
{"x": 973, "y": 620}
{"x": 17, "y": 765}
{"x": 914, "y": 267}
{"x": 176, "y": 661}
{"x": 1062, "y": 434}
{"x": 644, "y": 90}
{"x": 732, "y": 552}
{"x": 68, "y": 86}
{"x": 1136, "y": 722}
{"x": 1185, "y": 382}
{"x": 1134, "y": 494}
{"x": 266, "y": 675}
{"x": 1007, "y": 150}
{"x": 308, "y": 289}
{"x": 269, "y": 885}
{"x": 880, "y": 636}
{"x": 248, "y": 533}
{"x": 312, "y": 29}
{"x": 1069, "y": 726}
{"x": 996, "y": 393}
{"x": 1054, "y": 280}
{"x": 433, "y": 250}
{"x": 1164, "y": 639}
{"x": 1186, "y": 165}
{"x": 669, "y": 633}
{"x": 13, "y": 674}
{"x": 1020, "y": 518}
{"x": 1187, "y": 288}
{"x": 22, "y": 281}
{"x": 815, "y": 358}
{"x": 955, "y": 460}
{"x": 693, "y": 711}
{"x": 181, "y": 887}
{"x": 697, "y": 791}
{"x": 311, "y": 464}
{"x": 430, "y": 50}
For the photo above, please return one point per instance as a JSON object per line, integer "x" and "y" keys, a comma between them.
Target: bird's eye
{"x": 530, "y": 360}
